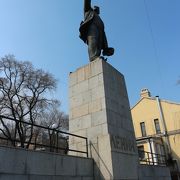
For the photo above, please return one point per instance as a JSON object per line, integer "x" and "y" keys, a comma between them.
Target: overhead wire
{"x": 154, "y": 43}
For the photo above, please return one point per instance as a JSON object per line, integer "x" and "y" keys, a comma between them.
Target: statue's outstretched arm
{"x": 87, "y": 5}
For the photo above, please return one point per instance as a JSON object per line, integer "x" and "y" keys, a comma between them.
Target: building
{"x": 157, "y": 130}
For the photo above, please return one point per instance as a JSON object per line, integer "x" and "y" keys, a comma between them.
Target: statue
{"x": 92, "y": 32}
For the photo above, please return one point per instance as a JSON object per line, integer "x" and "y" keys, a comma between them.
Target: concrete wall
{"x": 20, "y": 164}
{"x": 154, "y": 173}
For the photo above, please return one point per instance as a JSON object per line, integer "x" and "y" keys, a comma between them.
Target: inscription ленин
{"x": 122, "y": 144}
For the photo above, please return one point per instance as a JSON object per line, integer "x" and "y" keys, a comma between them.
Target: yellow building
{"x": 157, "y": 129}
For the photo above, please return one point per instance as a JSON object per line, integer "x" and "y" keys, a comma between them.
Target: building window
{"x": 143, "y": 129}
{"x": 157, "y": 126}
{"x": 141, "y": 152}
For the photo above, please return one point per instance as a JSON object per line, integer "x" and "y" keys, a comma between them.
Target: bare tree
{"x": 22, "y": 90}
{"x": 52, "y": 117}
{"x": 56, "y": 121}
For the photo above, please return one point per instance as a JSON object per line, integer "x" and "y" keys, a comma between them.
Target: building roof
{"x": 153, "y": 99}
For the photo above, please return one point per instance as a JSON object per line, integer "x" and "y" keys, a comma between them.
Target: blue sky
{"x": 144, "y": 33}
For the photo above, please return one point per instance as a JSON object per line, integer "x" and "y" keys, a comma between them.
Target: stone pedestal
{"x": 99, "y": 110}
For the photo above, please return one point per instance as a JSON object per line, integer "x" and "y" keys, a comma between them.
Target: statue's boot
{"x": 108, "y": 51}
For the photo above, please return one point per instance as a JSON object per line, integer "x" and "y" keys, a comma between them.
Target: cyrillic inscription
{"x": 123, "y": 144}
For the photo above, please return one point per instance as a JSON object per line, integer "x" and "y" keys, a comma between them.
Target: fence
{"x": 32, "y": 136}
{"x": 152, "y": 158}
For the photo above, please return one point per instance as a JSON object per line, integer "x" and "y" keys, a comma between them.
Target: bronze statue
{"x": 92, "y": 32}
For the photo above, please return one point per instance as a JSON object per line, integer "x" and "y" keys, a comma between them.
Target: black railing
{"x": 38, "y": 137}
{"x": 152, "y": 158}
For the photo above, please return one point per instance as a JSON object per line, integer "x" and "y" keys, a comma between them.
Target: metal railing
{"x": 47, "y": 139}
{"x": 150, "y": 158}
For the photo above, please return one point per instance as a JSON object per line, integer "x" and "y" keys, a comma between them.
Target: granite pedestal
{"x": 100, "y": 111}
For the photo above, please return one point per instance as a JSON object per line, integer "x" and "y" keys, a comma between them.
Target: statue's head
{"x": 97, "y": 9}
